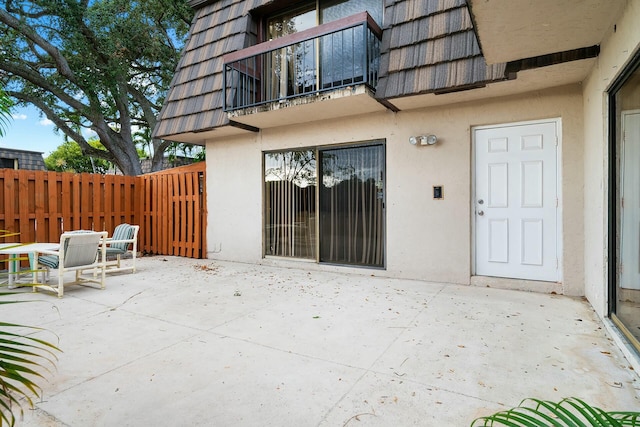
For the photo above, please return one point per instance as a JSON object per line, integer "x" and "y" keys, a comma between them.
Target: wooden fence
{"x": 169, "y": 206}
{"x": 168, "y": 199}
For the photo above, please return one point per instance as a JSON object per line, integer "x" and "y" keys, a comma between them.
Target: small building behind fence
{"x": 11, "y": 158}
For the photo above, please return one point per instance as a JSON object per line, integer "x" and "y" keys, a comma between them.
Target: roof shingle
{"x": 428, "y": 46}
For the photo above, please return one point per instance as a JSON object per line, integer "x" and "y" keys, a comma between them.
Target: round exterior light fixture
{"x": 423, "y": 139}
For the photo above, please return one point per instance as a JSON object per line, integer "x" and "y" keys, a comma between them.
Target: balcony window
{"x": 300, "y": 57}
{"x": 333, "y": 10}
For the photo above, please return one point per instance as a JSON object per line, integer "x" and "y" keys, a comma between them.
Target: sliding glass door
{"x": 625, "y": 203}
{"x": 343, "y": 189}
{"x": 352, "y": 205}
{"x": 290, "y": 204}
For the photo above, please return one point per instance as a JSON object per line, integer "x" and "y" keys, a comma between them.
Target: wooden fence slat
{"x": 9, "y": 205}
{"x": 118, "y": 216}
{"x": 195, "y": 188}
{"x": 23, "y": 207}
{"x": 201, "y": 214}
{"x": 66, "y": 200}
{"x": 146, "y": 210}
{"x": 187, "y": 212}
{"x": 77, "y": 206}
{"x": 154, "y": 213}
{"x": 178, "y": 235}
{"x": 98, "y": 197}
{"x": 169, "y": 210}
{"x": 52, "y": 212}
{"x": 110, "y": 208}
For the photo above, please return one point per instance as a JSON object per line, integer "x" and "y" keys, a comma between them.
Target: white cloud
{"x": 19, "y": 116}
{"x": 46, "y": 122}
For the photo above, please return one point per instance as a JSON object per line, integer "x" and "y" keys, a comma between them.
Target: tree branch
{"x": 37, "y": 80}
{"x": 63, "y": 126}
{"x": 61, "y": 62}
{"x": 148, "y": 108}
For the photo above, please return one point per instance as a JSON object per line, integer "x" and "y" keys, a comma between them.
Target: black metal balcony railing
{"x": 327, "y": 57}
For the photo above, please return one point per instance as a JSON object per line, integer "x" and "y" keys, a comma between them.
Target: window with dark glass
{"x": 8, "y": 163}
{"x": 342, "y": 54}
{"x": 326, "y": 204}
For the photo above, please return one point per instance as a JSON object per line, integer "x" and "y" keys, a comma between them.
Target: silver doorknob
{"x": 480, "y": 213}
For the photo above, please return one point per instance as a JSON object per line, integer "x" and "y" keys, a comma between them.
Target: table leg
{"x": 12, "y": 271}
{"x": 33, "y": 265}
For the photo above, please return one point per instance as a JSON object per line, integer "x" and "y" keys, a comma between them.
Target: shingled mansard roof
{"x": 427, "y": 46}
{"x": 30, "y": 160}
{"x": 430, "y": 46}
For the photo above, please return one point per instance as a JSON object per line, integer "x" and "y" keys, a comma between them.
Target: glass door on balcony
{"x": 343, "y": 58}
{"x": 293, "y": 67}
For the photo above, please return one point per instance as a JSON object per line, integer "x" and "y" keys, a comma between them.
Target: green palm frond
{"x": 24, "y": 359}
{"x": 5, "y": 111}
{"x": 569, "y": 412}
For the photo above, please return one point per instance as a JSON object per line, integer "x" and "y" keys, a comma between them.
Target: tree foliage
{"x": 102, "y": 65}
{"x": 69, "y": 158}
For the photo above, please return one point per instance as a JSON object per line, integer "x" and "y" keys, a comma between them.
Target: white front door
{"x": 516, "y": 201}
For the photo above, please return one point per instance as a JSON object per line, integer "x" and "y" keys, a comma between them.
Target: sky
{"x": 27, "y": 130}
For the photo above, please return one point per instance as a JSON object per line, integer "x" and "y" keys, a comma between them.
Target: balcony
{"x": 337, "y": 61}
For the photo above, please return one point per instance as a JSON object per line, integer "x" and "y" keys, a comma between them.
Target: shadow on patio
{"x": 201, "y": 342}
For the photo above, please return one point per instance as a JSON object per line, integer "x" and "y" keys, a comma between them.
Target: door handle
{"x": 481, "y": 213}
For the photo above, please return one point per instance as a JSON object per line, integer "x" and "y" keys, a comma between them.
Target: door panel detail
{"x": 532, "y": 241}
{"x": 532, "y": 183}
{"x": 498, "y": 145}
{"x": 532, "y": 142}
{"x": 499, "y": 240}
{"x": 498, "y": 185}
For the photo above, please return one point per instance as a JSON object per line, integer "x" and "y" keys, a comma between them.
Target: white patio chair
{"x": 79, "y": 250}
{"x": 124, "y": 239}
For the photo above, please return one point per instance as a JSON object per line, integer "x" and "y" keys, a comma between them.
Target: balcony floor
{"x": 203, "y": 342}
{"x": 340, "y": 103}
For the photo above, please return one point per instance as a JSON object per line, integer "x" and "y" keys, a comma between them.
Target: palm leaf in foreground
{"x": 569, "y": 412}
{"x": 23, "y": 361}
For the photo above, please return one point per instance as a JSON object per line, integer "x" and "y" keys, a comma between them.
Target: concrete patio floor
{"x": 186, "y": 342}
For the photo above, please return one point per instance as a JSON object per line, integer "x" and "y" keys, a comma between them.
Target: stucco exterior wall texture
{"x": 615, "y": 51}
{"x": 427, "y": 239}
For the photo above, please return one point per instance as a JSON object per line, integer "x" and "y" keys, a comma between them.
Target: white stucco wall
{"x": 426, "y": 239}
{"x": 616, "y": 50}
